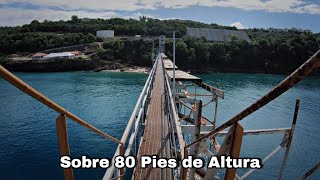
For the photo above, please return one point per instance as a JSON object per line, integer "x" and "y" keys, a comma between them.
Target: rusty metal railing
{"x": 60, "y": 121}
{"x": 293, "y": 79}
{"x": 305, "y": 69}
{"x": 130, "y": 135}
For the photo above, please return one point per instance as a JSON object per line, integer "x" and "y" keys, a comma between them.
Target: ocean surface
{"x": 29, "y": 148}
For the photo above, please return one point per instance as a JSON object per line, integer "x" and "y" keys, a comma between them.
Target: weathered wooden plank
{"x": 156, "y": 133}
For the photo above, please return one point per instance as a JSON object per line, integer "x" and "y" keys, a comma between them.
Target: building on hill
{"x": 220, "y": 35}
{"x": 38, "y": 56}
{"x": 103, "y": 34}
{"x": 63, "y": 55}
{"x": 76, "y": 53}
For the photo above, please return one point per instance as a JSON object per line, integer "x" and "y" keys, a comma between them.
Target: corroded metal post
{"x": 62, "y": 133}
{"x": 121, "y": 153}
{"x": 224, "y": 149}
{"x": 312, "y": 170}
{"x": 197, "y": 126}
{"x": 184, "y": 171}
{"x": 289, "y": 140}
{"x": 235, "y": 150}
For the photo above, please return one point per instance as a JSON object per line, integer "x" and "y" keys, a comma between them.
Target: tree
{"x": 74, "y": 18}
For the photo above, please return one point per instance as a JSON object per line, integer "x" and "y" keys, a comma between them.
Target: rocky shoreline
{"x": 63, "y": 65}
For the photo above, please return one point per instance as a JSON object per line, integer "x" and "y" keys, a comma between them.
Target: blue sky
{"x": 302, "y": 14}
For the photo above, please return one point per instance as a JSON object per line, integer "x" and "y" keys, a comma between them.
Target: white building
{"x": 64, "y": 55}
{"x": 105, "y": 34}
{"x": 221, "y": 35}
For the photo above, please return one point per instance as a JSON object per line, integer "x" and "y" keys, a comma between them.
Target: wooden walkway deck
{"x": 155, "y": 140}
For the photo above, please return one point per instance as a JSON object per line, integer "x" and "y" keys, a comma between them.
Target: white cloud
{"x": 20, "y": 16}
{"x": 107, "y": 8}
{"x": 292, "y": 6}
{"x": 238, "y": 25}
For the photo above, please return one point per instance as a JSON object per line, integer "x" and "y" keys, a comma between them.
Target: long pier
{"x": 169, "y": 126}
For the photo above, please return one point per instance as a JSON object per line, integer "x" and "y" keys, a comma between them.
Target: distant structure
{"x": 76, "y": 53}
{"x": 38, "y": 56}
{"x": 64, "y": 55}
{"x": 217, "y": 34}
{"x": 104, "y": 34}
{"x": 162, "y": 42}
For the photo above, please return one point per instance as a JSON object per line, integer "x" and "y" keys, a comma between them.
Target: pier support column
{"x": 62, "y": 133}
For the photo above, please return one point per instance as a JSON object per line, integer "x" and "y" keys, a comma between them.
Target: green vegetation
{"x": 136, "y": 52}
{"x": 271, "y": 50}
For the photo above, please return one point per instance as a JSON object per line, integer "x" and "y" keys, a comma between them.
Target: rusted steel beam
{"x": 306, "y": 68}
{"x": 184, "y": 171}
{"x": 289, "y": 140}
{"x": 258, "y": 132}
{"x": 196, "y": 135}
{"x": 263, "y": 161}
{"x": 224, "y": 149}
{"x": 212, "y": 89}
{"x": 14, "y": 80}
{"x": 181, "y": 94}
{"x": 235, "y": 150}
{"x": 121, "y": 152}
{"x": 62, "y": 134}
{"x": 311, "y": 171}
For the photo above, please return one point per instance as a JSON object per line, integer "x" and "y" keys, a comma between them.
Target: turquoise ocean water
{"x": 29, "y": 148}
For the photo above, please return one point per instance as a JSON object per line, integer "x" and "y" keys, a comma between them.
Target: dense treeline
{"x": 143, "y": 26}
{"x": 37, "y": 41}
{"x": 271, "y": 54}
{"x": 277, "y": 52}
{"x": 135, "y": 52}
{"x": 271, "y": 50}
{"x": 38, "y": 36}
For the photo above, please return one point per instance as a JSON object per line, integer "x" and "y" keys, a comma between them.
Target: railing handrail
{"x": 111, "y": 169}
{"x": 14, "y": 80}
{"x": 306, "y": 68}
{"x": 181, "y": 141}
{"x": 136, "y": 108}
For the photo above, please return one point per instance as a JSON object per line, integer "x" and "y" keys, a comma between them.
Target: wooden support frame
{"x": 62, "y": 134}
